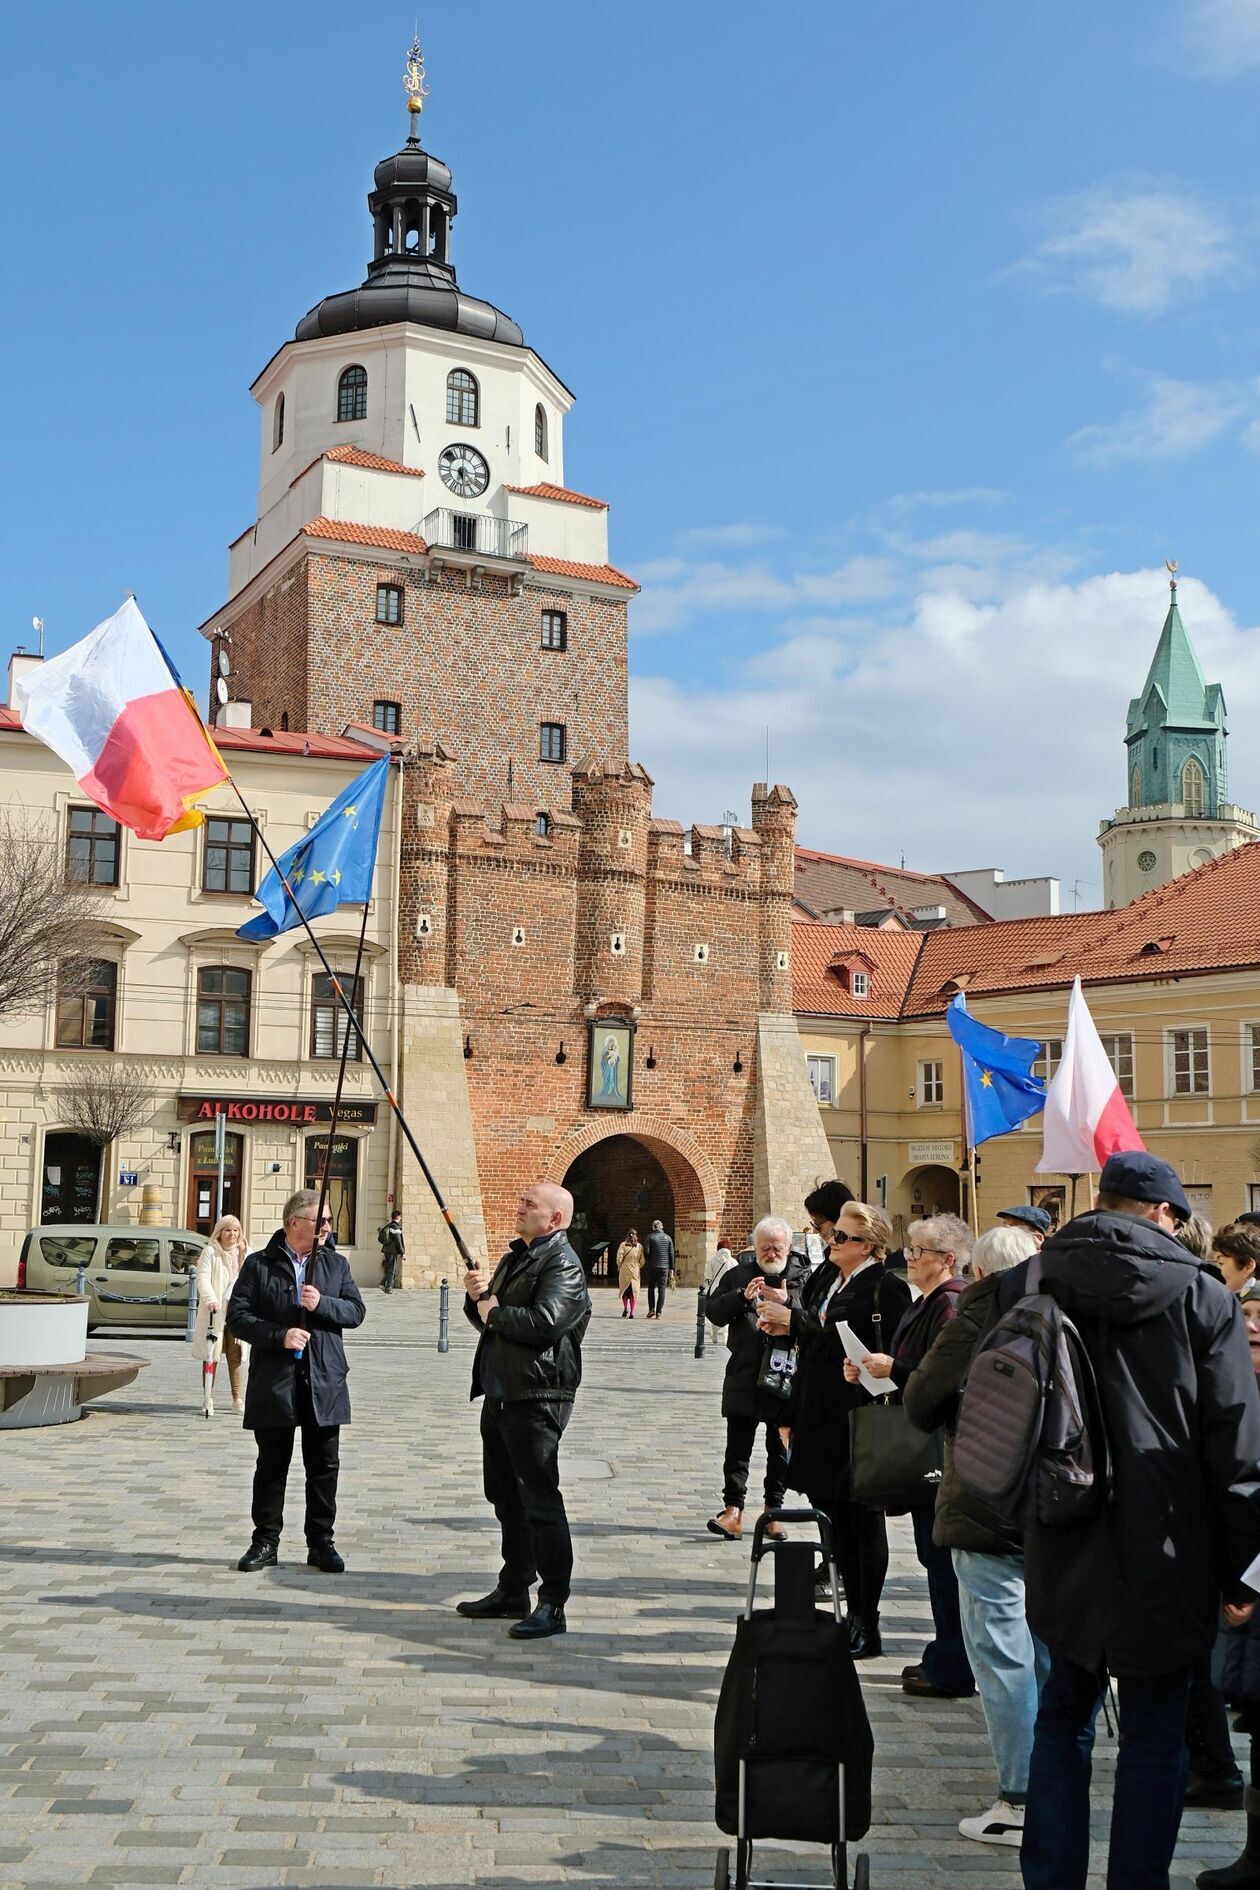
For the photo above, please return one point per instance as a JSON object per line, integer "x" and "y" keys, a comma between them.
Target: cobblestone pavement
{"x": 166, "y": 1720}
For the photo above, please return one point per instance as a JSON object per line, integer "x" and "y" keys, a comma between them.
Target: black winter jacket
{"x": 916, "y": 1335}
{"x": 962, "y": 1521}
{"x": 819, "y": 1413}
{"x": 728, "y": 1307}
{"x": 658, "y": 1252}
{"x": 1138, "y": 1587}
{"x": 530, "y": 1350}
{"x": 263, "y": 1306}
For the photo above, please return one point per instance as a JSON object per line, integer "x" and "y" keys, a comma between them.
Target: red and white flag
{"x": 1086, "y": 1117}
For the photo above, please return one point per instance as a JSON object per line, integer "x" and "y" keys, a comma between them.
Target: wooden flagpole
{"x": 355, "y": 1025}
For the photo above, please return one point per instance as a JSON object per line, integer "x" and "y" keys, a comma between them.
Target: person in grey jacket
{"x": 658, "y": 1265}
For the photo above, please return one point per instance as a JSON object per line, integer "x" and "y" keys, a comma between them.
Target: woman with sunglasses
{"x": 851, "y": 1285}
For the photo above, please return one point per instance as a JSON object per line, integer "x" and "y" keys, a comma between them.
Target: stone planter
{"x": 46, "y": 1371}
{"x": 42, "y": 1329}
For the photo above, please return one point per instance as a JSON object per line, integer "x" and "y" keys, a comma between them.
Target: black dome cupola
{"x": 411, "y": 277}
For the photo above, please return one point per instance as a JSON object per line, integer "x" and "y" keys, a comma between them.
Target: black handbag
{"x": 892, "y": 1466}
{"x": 776, "y": 1373}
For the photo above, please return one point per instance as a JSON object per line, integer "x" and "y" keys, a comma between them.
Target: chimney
{"x": 235, "y": 715}
{"x": 21, "y": 665}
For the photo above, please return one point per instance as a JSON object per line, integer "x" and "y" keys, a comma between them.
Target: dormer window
{"x": 352, "y": 394}
{"x": 854, "y": 970}
{"x": 277, "y": 424}
{"x": 859, "y": 984}
{"x": 463, "y": 399}
{"x": 540, "y": 431}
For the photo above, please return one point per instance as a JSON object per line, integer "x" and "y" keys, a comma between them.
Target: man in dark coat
{"x": 393, "y": 1250}
{"x": 531, "y": 1316}
{"x": 658, "y": 1264}
{"x": 290, "y": 1305}
{"x": 1135, "y": 1591}
{"x": 774, "y": 1270}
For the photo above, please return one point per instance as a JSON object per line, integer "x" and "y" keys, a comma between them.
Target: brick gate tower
{"x": 420, "y": 568}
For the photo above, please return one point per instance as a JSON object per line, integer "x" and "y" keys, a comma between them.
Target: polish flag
{"x": 117, "y": 714}
{"x": 1086, "y": 1118}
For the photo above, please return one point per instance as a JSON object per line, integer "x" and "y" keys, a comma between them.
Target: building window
{"x": 92, "y": 846}
{"x": 463, "y": 399}
{"x": 228, "y": 864}
{"x": 277, "y": 424}
{"x": 387, "y": 717}
{"x": 1253, "y": 1047}
{"x": 389, "y": 603}
{"x": 87, "y": 1004}
{"x": 861, "y": 984}
{"x": 1135, "y": 788}
{"x": 555, "y": 630}
{"x": 1192, "y": 787}
{"x": 330, "y": 1026}
{"x": 542, "y": 825}
{"x": 342, "y": 1181}
{"x": 822, "y": 1078}
{"x": 931, "y": 1083}
{"x": 223, "y": 1012}
{"x": 551, "y": 741}
{"x": 540, "y": 432}
{"x": 1049, "y": 1060}
{"x": 352, "y": 394}
{"x": 1189, "y": 1062}
{"x": 1119, "y": 1048}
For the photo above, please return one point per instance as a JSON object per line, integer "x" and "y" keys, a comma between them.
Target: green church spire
{"x": 1176, "y": 728}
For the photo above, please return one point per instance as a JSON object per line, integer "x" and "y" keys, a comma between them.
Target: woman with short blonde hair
{"x": 217, "y": 1269}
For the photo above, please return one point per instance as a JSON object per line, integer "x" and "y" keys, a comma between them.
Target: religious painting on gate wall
{"x": 1053, "y": 1198}
{"x": 609, "y": 1064}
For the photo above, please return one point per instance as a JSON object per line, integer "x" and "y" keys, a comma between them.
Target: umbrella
{"x": 208, "y": 1367}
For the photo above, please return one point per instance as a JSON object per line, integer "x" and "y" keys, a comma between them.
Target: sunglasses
{"x": 858, "y": 1240}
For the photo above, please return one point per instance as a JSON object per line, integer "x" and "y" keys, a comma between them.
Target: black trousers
{"x": 1207, "y": 1726}
{"x": 655, "y": 1283}
{"x": 321, "y": 1459}
{"x": 390, "y": 1263}
{"x": 861, "y": 1543}
{"x": 520, "y": 1458}
{"x": 741, "y": 1436}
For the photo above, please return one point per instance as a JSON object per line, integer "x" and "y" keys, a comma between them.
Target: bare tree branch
{"x": 104, "y": 1100}
{"x": 45, "y": 918}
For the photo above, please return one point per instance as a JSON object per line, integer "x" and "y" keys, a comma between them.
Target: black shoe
{"x": 322, "y": 1555}
{"x": 864, "y": 1640}
{"x": 496, "y": 1606}
{"x": 1224, "y": 1793}
{"x": 547, "y": 1618}
{"x": 910, "y": 1672}
{"x": 920, "y": 1688}
{"x": 822, "y": 1581}
{"x": 258, "y": 1555}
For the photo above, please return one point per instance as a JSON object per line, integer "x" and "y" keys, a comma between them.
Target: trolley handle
{"x": 762, "y": 1547}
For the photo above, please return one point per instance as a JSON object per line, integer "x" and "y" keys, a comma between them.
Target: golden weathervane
{"x": 1170, "y": 565}
{"x": 413, "y": 78}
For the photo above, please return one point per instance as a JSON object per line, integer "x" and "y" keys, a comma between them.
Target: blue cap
{"x": 1143, "y": 1177}
{"x": 1033, "y": 1217}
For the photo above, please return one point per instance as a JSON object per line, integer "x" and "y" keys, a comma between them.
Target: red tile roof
{"x": 593, "y": 573}
{"x": 546, "y": 491}
{"x": 384, "y": 537}
{"x": 355, "y": 456}
{"x": 816, "y": 988}
{"x": 831, "y": 882}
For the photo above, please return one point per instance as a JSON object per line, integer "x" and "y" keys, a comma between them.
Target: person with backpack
{"x": 987, "y": 1546}
{"x": 1128, "y": 1559}
{"x": 393, "y": 1250}
{"x": 658, "y": 1269}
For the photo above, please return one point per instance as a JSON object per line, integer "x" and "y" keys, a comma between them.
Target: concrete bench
{"x": 55, "y": 1394}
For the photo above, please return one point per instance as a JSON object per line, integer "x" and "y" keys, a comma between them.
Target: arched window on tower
{"x": 1135, "y": 788}
{"x": 463, "y": 399}
{"x": 1192, "y": 784}
{"x": 352, "y": 394}
{"x": 540, "y": 432}
{"x": 413, "y": 221}
{"x": 277, "y": 424}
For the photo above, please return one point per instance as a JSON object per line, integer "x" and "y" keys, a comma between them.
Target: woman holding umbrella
{"x": 217, "y": 1269}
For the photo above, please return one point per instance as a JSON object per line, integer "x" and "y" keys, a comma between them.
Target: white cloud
{"x": 1174, "y": 418}
{"x": 1137, "y": 245}
{"x": 1217, "y": 39}
{"x": 675, "y": 591}
{"x": 736, "y": 537}
{"x": 954, "y": 731}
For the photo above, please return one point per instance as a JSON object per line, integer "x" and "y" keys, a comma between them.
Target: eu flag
{"x": 1000, "y": 1089}
{"x": 330, "y": 866}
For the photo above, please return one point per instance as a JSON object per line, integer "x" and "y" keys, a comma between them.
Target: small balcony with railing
{"x": 477, "y": 535}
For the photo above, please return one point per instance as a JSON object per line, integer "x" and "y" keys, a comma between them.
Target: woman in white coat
{"x": 220, "y": 1262}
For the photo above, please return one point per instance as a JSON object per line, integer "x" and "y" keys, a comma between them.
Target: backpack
{"x": 1031, "y": 1438}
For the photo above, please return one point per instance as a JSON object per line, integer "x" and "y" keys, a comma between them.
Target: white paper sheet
{"x": 857, "y": 1351}
{"x": 1251, "y": 1576}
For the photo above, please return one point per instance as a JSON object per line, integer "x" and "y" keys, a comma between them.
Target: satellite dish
{"x": 221, "y": 692}
{"x": 225, "y": 668}
{"x": 37, "y": 623}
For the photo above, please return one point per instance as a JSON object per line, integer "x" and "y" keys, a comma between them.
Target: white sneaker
{"x": 1004, "y": 1824}
{"x": 238, "y": 1404}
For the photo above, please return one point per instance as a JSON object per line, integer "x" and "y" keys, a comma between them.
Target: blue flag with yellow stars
{"x": 998, "y": 1084}
{"x": 330, "y": 866}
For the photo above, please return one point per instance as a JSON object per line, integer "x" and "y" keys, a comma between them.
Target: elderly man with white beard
{"x": 757, "y": 1384}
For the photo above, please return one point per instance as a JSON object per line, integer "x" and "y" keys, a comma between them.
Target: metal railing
{"x": 477, "y": 532}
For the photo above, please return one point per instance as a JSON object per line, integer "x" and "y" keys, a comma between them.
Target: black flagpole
{"x": 355, "y": 1025}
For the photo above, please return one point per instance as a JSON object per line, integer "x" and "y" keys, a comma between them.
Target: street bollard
{"x": 191, "y": 1328}
{"x": 701, "y": 1297}
{"x": 444, "y": 1316}
{"x": 80, "y": 1282}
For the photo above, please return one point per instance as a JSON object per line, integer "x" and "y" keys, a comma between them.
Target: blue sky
{"x": 908, "y": 340}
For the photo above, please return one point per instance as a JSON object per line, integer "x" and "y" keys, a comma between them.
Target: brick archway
{"x": 690, "y": 1175}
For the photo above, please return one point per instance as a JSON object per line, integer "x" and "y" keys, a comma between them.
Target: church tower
{"x": 418, "y": 564}
{"x": 1178, "y": 815}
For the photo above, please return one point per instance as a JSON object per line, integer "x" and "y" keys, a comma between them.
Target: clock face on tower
{"x": 464, "y": 472}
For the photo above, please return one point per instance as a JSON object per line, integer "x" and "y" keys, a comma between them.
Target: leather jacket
{"x": 530, "y": 1348}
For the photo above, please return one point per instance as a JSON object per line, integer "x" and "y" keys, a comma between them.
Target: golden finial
{"x": 413, "y": 78}
{"x": 1170, "y": 565}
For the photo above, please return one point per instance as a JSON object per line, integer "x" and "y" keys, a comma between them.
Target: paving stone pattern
{"x": 166, "y": 1720}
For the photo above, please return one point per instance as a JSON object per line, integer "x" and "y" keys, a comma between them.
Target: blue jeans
{"x": 945, "y": 1662}
{"x": 1009, "y": 1662}
{"x": 1150, "y": 1780}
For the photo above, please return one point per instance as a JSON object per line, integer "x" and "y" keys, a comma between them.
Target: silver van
{"x": 136, "y": 1276}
